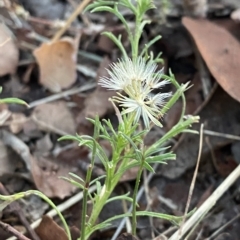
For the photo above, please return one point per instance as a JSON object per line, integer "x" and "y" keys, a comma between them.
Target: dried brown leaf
{"x": 50, "y": 230}
{"x": 46, "y": 175}
{"x": 220, "y": 50}
{"x": 44, "y": 144}
{"x": 55, "y": 117}
{"x": 8, "y": 52}
{"x": 127, "y": 236}
{"x": 8, "y": 161}
{"x": 98, "y": 102}
{"x": 57, "y": 63}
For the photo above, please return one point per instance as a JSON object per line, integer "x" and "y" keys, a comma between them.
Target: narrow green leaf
{"x": 122, "y": 197}
{"x": 96, "y": 179}
{"x": 76, "y": 176}
{"x": 13, "y": 100}
{"x": 149, "y": 44}
{"x": 155, "y": 151}
{"x": 73, "y": 182}
{"x": 99, "y": 187}
{"x": 161, "y": 158}
{"x": 148, "y": 167}
{"x": 137, "y": 151}
{"x": 68, "y": 137}
{"x": 4, "y": 204}
{"x": 118, "y": 42}
{"x": 173, "y": 219}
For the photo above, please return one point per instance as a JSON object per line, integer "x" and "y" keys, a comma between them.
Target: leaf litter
{"x": 9, "y": 52}
{"x": 220, "y": 50}
{"x": 57, "y": 63}
{"x": 37, "y": 130}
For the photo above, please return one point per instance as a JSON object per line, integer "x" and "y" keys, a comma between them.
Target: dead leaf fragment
{"x": 5, "y": 114}
{"x": 8, "y": 52}
{"x": 57, "y": 63}
{"x": 195, "y": 8}
{"x": 44, "y": 144}
{"x": 220, "y": 50}
{"x": 49, "y": 230}
{"x": 8, "y": 161}
{"x": 46, "y": 175}
{"x": 127, "y": 236}
{"x": 98, "y": 102}
{"x": 17, "y": 122}
{"x": 55, "y": 117}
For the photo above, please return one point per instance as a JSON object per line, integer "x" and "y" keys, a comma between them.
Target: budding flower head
{"x": 137, "y": 79}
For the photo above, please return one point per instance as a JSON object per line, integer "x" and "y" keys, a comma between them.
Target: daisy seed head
{"x": 137, "y": 79}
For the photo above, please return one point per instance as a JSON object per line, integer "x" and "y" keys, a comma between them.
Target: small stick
{"x": 12, "y": 230}
{"x": 209, "y": 203}
{"x": 223, "y": 135}
{"x": 62, "y": 95}
{"x": 17, "y": 145}
{"x": 223, "y": 227}
{"x": 193, "y": 180}
{"x": 16, "y": 209}
{"x": 78, "y": 10}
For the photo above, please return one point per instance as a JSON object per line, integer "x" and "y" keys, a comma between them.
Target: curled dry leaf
{"x": 220, "y": 50}
{"x": 8, "y": 52}
{"x": 57, "y": 63}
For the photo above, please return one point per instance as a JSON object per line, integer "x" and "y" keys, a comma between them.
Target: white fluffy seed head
{"x": 137, "y": 79}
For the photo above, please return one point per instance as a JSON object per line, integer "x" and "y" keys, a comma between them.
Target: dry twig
{"x": 208, "y": 204}
{"x": 78, "y": 10}
{"x": 8, "y": 228}
{"x": 193, "y": 180}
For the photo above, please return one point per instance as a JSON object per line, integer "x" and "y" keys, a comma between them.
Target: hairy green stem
{"x": 101, "y": 200}
{"x": 136, "y": 38}
{"x": 134, "y": 203}
{"x": 84, "y": 202}
{"x": 86, "y": 187}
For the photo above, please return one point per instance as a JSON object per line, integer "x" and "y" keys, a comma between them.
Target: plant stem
{"x": 99, "y": 203}
{"x": 136, "y": 39}
{"x": 134, "y": 203}
{"x": 85, "y": 191}
{"x": 84, "y": 202}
